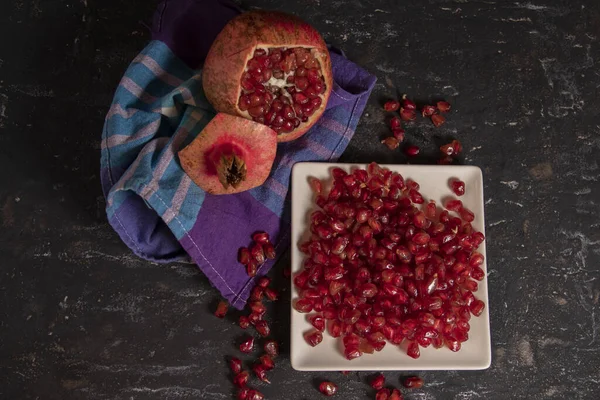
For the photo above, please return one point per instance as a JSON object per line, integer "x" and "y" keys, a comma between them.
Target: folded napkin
{"x": 158, "y": 108}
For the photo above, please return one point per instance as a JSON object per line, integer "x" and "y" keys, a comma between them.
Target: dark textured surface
{"x": 81, "y": 318}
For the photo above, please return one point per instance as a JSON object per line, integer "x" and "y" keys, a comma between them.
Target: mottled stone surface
{"x": 81, "y": 318}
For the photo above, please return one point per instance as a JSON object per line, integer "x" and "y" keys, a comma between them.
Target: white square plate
{"x": 327, "y": 356}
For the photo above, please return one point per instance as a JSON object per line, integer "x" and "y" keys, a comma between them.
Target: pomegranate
{"x": 230, "y": 155}
{"x": 270, "y": 67}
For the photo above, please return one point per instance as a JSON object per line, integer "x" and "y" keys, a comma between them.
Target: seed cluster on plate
{"x": 282, "y": 87}
{"x": 385, "y": 266}
{"x": 255, "y": 255}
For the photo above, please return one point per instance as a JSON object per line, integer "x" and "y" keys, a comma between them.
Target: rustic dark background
{"x": 82, "y": 318}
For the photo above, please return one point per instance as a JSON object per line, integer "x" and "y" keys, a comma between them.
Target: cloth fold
{"x": 158, "y": 108}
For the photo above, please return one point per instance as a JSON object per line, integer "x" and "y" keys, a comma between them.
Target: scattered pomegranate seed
{"x": 413, "y": 382}
{"x": 428, "y": 111}
{"x": 267, "y": 361}
{"x": 241, "y": 379}
{"x": 271, "y": 348}
{"x": 271, "y": 294}
{"x": 438, "y": 120}
{"x": 247, "y": 345}
{"x": 453, "y": 205}
{"x": 466, "y": 214}
{"x": 382, "y": 394}
{"x": 261, "y": 372}
{"x": 252, "y": 268}
{"x": 395, "y": 123}
{"x": 328, "y": 388}
{"x": 445, "y": 160}
{"x": 315, "y": 185}
{"x": 244, "y": 256}
{"x": 256, "y": 251}
{"x": 242, "y": 394}
{"x": 412, "y": 150}
{"x": 236, "y": 365}
{"x": 262, "y": 327}
{"x": 458, "y": 187}
{"x": 452, "y": 149}
{"x": 391, "y": 105}
{"x": 378, "y": 382}
{"x": 443, "y": 106}
{"x": 408, "y": 104}
{"x": 244, "y": 322}
{"x": 407, "y": 115}
{"x": 314, "y": 338}
{"x": 398, "y": 134}
{"x": 269, "y": 251}
{"x": 395, "y": 395}
{"x": 391, "y": 142}
{"x": 254, "y": 395}
{"x": 221, "y": 310}
{"x": 261, "y": 237}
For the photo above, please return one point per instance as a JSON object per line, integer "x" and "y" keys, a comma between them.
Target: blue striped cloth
{"x": 158, "y": 108}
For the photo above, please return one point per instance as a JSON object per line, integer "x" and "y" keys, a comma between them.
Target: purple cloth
{"x": 152, "y": 204}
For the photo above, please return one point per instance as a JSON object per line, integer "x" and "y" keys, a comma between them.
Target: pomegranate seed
{"x": 443, "y": 106}
{"x": 477, "y": 307}
{"x": 391, "y": 105}
{"x": 413, "y": 350}
{"x": 328, "y": 388}
{"x": 244, "y": 322}
{"x": 454, "y": 205}
{"x": 391, "y": 142}
{"x": 378, "y": 382}
{"x": 257, "y": 253}
{"x": 458, "y": 187}
{"x": 247, "y": 345}
{"x": 428, "y": 111}
{"x": 395, "y": 123}
{"x": 269, "y": 251}
{"x": 382, "y": 394}
{"x": 352, "y": 352}
{"x": 261, "y": 237}
{"x": 254, "y": 395}
{"x": 408, "y": 104}
{"x": 398, "y": 134}
{"x": 236, "y": 365}
{"x": 271, "y": 348}
{"x": 262, "y": 327}
{"x": 438, "y": 120}
{"x": 315, "y": 185}
{"x": 221, "y": 309}
{"x": 452, "y": 343}
{"x": 413, "y": 382}
{"x": 412, "y": 150}
{"x": 314, "y": 338}
{"x": 271, "y": 294}
{"x": 241, "y": 379}
{"x": 267, "y": 361}
{"x": 466, "y": 214}
{"x": 303, "y": 305}
{"x": 407, "y": 115}
{"x": 318, "y": 322}
{"x": 252, "y": 268}
{"x": 445, "y": 160}
{"x": 260, "y": 371}
{"x": 395, "y": 395}
{"x": 242, "y": 394}
{"x": 244, "y": 256}
{"x": 263, "y": 282}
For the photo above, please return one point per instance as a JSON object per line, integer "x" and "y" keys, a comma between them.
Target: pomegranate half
{"x": 270, "y": 67}
{"x": 230, "y": 155}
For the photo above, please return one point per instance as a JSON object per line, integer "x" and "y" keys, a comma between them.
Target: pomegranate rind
{"x": 256, "y": 144}
{"x": 235, "y": 45}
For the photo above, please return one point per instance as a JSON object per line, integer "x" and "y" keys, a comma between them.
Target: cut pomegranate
{"x": 413, "y": 382}
{"x": 247, "y": 345}
{"x": 378, "y": 382}
{"x": 221, "y": 310}
{"x": 236, "y": 365}
{"x": 271, "y": 348}
{"x": 438, "y": 120}
{"x": 391, "y": 105}
{"x": 270, "y": 67}
{"x": 230, "y": 155}
{"x": 328, "y": 388}
{"x": 458, "y": 187}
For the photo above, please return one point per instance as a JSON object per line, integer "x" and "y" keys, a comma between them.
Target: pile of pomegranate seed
{"x": 384, "y": 266}
{"x": 282, "y": 87}
{"x": 257, "y": 253}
